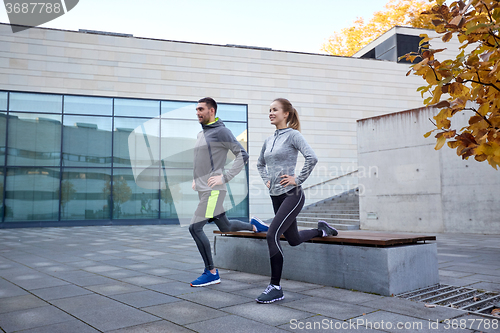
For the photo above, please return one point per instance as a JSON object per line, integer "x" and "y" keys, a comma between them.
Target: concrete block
{"x": 384, "y": 271}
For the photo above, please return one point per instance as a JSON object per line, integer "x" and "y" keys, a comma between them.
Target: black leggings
{"x": 202, "y": 242}
{"x": 286, "y": 208}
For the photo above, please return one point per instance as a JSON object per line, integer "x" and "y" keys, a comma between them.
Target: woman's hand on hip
{"x": 287, "y": 180}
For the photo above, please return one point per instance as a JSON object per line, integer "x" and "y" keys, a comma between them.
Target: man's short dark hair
{"x": 210, "y": 102}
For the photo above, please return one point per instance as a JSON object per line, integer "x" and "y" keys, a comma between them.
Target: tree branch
{"x": 480, "y": 115}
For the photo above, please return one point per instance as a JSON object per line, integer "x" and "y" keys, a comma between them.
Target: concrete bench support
{"x": 380, "y": 270}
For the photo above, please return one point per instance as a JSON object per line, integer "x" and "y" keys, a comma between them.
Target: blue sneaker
{"x": 206, "y": 279}
{"x": 259, "y": 225}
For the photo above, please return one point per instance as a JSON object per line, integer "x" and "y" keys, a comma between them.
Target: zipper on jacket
{"x": 275, "y": 138}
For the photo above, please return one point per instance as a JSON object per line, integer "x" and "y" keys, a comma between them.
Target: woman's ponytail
{"x": 293, "y": 117}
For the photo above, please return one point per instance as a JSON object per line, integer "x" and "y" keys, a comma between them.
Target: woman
{"x": 276, "y": 166}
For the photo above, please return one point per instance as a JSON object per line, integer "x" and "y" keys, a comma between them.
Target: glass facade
{"x": 75, "y": 160}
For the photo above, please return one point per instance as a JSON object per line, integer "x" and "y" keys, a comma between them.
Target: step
{"x": 332, "y": 211}
{"x": 329, "y": 215}
{"x": 347, "y": 219}
{"x": 338, "y": 226}
{"x": 330, "y": 220}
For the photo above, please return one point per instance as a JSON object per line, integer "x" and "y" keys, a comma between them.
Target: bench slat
{"x": 357, "y": 237}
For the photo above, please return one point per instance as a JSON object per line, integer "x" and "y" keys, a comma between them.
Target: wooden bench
{"x": 378, "y": 262}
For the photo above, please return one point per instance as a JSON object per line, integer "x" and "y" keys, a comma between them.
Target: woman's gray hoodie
{"x": 279, "y": 157}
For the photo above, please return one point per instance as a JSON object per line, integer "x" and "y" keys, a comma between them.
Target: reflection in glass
{"x": 87, "y": 141}
{"x": 88, "y": 105}
{"x": 178, "y": 138}
{"x": 144, "y": 140}
{"x": 35, "y": 102}
{"x": 32, "y": 194}
{"x": 84, "y": 195}
{"x": 178, "y": 110}
{"x": 239, "y": 131}
{"x": 3, "y": 100}
{"x": 2, "y": 188}
{"x": 34, "y": 139}
{"x": 131, "y": 201}
{"x": 3, "y": 136}
{"x": 178, "y": 200}
{"x": 136, "y": 107}
{"x": 231, "y": 112}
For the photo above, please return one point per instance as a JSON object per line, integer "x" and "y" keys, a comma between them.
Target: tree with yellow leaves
{"x": 397, "y": 13}
{"x": 470, "y": 82}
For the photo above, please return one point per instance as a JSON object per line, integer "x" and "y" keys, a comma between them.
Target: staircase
{"x": 340, "y": 211}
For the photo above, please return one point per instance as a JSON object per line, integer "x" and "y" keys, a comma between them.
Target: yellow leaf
{"x": 440, "y": 142}
{"x": 426, "y": 135}
{"x": 484, "y": 109}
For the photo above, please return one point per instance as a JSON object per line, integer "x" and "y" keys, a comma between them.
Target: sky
{"x": 290, "y": 25}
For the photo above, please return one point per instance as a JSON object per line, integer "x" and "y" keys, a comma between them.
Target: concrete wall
{"x": 406, "y": 185}
{"x": 329, "y": 92}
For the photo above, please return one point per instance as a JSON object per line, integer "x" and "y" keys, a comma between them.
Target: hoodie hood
{"x": 217, "y": 123}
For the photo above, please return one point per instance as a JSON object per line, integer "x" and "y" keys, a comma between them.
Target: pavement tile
{"x": 174, "y": 288}
{"x": 146, "y": 280}
{"x": 184, "y": 312}
{"x": 162, "y": 326}
{"x": 37, "y": 281}
{"x": 75, "y": 326}
{"x": 270, "y": 314}
{"x": 31, "y": 318}
{"x": 413, "y": 309}
{"x": 103, "y": 313}
{"x": 215, "y": 299}
{"x": 330, "y": 308}
{"x": 342, "y": 295}
{"x": 233, "y": 324}
{"x": 60, "y": 292}
{"x": 114, "y": 288}
{"x": 10, "y": 304}
{"x": 8, "y": 289}
{"x": 145, "y": 298}
{"x": 249, "y": 278}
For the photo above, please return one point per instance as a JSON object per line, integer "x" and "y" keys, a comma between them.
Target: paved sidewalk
{"x": 136, "y": 279}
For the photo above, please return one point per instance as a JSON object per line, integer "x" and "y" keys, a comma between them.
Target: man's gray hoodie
{"x": 210, "y": 155}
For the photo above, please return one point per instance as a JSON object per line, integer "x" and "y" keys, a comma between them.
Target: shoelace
{"x": 268, "y": 289}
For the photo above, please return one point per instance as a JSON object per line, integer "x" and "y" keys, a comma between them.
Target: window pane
{"x": 178, "y": 138}
{"x": 3, "y": 136}
{"x": 87, "y": 141}
{"x": 136, "y": 142}
{"x": 88, "y": 105}
{"x": 32, "y": 194}
{"x": 131, "y": 201}
{"x": 179, "y": 201}
{"x": 34, "y": 139}
{"x": 136, "y": 108}
{"x": 85, "y": 194}
{"x": 178, "y": 110}
{"x": 239, "y": 131}
{"x": 35, "y": 102}
{"x": 232, "y": 112}
{"x": 2, "y": 188}
{"x": 3, "y": 100}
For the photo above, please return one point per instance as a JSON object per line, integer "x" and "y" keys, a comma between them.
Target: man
{"x": 210, "y": 178}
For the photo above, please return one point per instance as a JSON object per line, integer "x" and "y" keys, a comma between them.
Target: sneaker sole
{"x": 271, "y": 301}
{"x": 206, "y": 284}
